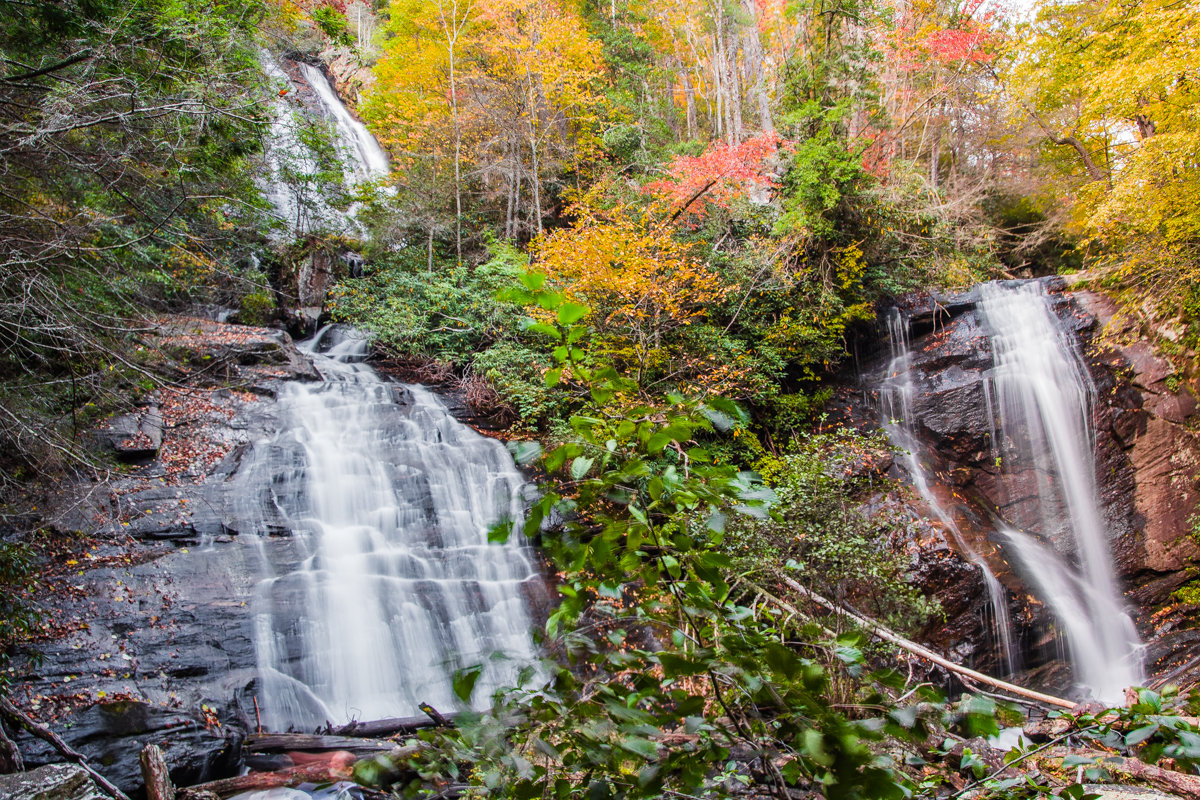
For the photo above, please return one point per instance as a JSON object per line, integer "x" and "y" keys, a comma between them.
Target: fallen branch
{"x": 389, "y": 727}
{"x": 19, "y": 717}
{"x": 313, "y": 742}
{"x": 923, "y": 652}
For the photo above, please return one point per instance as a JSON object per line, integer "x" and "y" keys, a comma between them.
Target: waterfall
{"x": 1044, "y": 397}
{"x": 388, "y": 582}
{"x": 896, "y": 394}
{"x": 290, "y": 160}
{"x": 292, "y": 185}
{"x": 367, "y": 160}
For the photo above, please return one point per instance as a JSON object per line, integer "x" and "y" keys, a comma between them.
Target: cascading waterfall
{"x": 288, "y": 157}
{"x": 896, "y": 393}
{"x": 291, "y": 186}
{"x": 368, "y": 162}
{"x": 1044, "y": 397}
{"x": 392, "y": 583}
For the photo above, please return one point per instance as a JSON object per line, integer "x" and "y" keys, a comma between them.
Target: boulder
{"x": 50, "y": 782}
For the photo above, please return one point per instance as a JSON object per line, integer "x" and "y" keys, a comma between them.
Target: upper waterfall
{"x": 367, "y": 160}
{"x": 294, "y": 185}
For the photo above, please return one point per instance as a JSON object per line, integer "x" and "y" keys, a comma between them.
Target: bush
{"x": 819, "y": 531}
{"x": 257, "y": 308}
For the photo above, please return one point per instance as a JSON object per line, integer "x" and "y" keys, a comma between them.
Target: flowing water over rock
{"x": 1044, "y": 437}
{"x": 393, "y": 583}
{"x": 293, "y": 187}
{"x": 1009, "y": 397}
{"x": 367, "y": 160}
{"x": 896, "y": 394}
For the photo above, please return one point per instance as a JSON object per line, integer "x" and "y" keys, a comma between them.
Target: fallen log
{"x": 293, "y": 776}
{"x": 1164, "y": 779}
{"x": 155, "y": 775}
{"x": 906, "y": 644}
{"x": 389, "y": 727}
{"x": 336, "y": 766}
{"x": 313, "y": 742}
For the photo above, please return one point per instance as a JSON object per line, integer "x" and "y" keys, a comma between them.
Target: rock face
{"x": 1147, "y": 457}
{"x": 51, "y": 782}
{"x": 149, "y": 638}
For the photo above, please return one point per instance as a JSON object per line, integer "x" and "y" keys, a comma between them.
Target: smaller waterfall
{"x": 293, "y": 187}
{"x": 367, "y": 160}
{"x": 896, "y": 400}
{"x": 1044, "y": 397}
{"x": 388, "y": 582}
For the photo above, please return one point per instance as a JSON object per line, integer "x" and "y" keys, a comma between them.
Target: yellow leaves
{"x": 637, "y": 278}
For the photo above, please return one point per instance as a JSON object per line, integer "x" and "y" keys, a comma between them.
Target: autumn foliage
{"x": 695, "y": 185}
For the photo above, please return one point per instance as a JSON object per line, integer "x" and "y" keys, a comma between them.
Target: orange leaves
{"x": 723, "y": 172}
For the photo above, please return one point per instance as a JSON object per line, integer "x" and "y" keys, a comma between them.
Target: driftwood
{"x": 155, "y": 774}
{"x": 337, "y": 766}
{"x": 391, "y": 726}
{"x": 924, "y": 652}
{"x": 19, "y": 717}
{"x": 312, "y": 742}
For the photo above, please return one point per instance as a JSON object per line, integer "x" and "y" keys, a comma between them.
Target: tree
{"x": 1113, "y": 90}
{"x": 127, "y": 134}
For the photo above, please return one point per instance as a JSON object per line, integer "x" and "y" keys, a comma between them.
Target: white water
{"x": 1044, "y": 399}
{"x": 896, "y": 394}
{"x": 292, "y": 186}
{"x": 367, "y": 160}
{"x": 393, "y": 583}
{"x": 291, "y": 162}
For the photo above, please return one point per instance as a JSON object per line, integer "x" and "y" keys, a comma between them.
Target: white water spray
{"x": 394, "y": 584}
{"x": 1044, "y": 397}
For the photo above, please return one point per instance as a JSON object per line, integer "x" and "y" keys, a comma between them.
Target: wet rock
{"x": 50, "y": 782}
{"x": 111, "y": 735}
{"x": 135, "y": 437}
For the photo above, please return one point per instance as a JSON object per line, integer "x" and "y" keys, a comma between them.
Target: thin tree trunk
{"x": 689, "y": 94}
{"x": 752, "y": 47}
{"x": 452, "y": 29}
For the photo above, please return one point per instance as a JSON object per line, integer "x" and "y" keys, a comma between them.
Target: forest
{"x": 652, "y": 248}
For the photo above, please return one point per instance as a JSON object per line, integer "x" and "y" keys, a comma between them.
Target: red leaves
{"x": 962, "y": 38}
{"x": 723, "y": 172}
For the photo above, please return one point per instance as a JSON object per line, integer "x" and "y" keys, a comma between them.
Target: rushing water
{"x": 896, "y": 394}
{"x": 367, "y": 160}
{"x": 1044, "y": 397}
{"x": 1038, "y": 397}
{"x": 392, "y": 584}
{"x": 292, "y": 185}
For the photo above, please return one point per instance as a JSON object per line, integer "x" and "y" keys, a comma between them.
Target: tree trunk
{"x": 752, "y": 47}
{"x": 689, "y": 94}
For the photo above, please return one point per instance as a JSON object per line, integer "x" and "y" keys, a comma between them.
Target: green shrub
{"x": 258, "y": 308}
{"x": 819, "y": 531}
